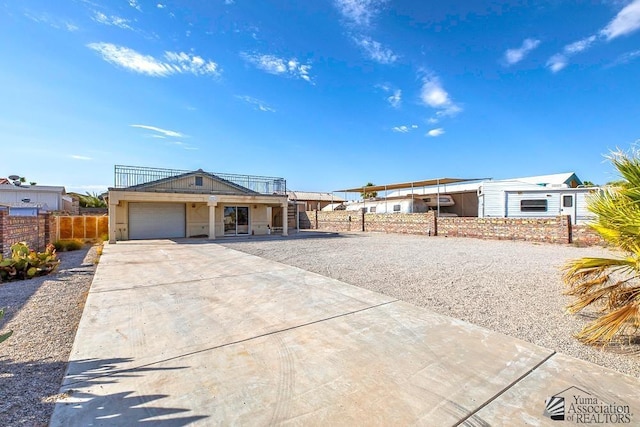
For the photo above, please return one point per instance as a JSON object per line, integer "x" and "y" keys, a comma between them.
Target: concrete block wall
{"x": 583, "y": 235}
{"x": 548, "y": 230}
{"x": 332, "y": 221}
{"x": 416, "y": 223}
{"x": 35, "y": 231}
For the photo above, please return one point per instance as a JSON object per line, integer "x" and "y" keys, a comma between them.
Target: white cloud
{"x": 134, "y": 4}
{"x": 557, "y": 62}
{"x": 77, "y": 157}
{"x": 279, "y": 66}
{"x": 173, "y": 63}
{"x": 182, "y": 145}
{"x": 53, "y": 22}
{"x": 513, "y": 56}
{"x": 625, "y": 22}
{"x": 396, "y": 99}
{"x": 626, "y": 58}
{"x": 112, "y": 20}
{"x": 435, "y": 132}
{"x": 164, "y": 132}
{"x": 580, "y": 45}
{"x": 404, "y": 128}
{"x": 260, "y": 105}
{"x": 433, "y": 95}
{"x": 229, "y": 1}
{"x": 161, "y": 6}
{"x": 375, "y": 50}
{"x": 359, "y": 12}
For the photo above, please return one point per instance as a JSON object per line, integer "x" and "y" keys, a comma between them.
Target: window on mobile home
{"x": 567, "y": 201}
{"x": 533, "y": 205}
{"x": 396, "y": 208}
{"x": 373, "y": 209}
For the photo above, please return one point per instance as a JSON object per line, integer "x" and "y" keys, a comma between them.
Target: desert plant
{"x": 68, "y": 245}
{"x": 26, "y": 263}
{"x": 90, "y": 200}
{"x": 611, "y": 285}
{"x": 6, "y": 335}
{"x": 368, "y": 194}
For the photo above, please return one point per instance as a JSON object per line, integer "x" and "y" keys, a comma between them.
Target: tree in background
{"x": 368, "y": 194}
{"x": 611, "y": 285}
{"x": 91, "y": 201}
{"x": 588, "y": 184}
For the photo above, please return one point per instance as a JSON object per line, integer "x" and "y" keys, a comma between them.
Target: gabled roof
{"x": 198, "y": 173}
{"x": 313, "y": 196}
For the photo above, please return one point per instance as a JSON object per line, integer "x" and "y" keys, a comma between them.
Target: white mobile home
{"x": 516, "y": 199}
{"x": 402, "y": 204}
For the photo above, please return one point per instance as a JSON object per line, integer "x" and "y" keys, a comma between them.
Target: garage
{"x": 156, "y": 220}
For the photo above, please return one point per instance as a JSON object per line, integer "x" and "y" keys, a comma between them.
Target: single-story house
{"x": 152, "y": 203}
{"x": 313, "y": 200}
{"x": 44, "y": 197}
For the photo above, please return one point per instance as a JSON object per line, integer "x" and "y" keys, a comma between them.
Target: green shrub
{"x": 68, "y": 245}
{"x": 26, "y": 263}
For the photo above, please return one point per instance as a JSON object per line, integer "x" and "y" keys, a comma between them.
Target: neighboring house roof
{"x": 32, "y": 188}
{"x": 4, "y": 181}
{"x": 313, "y": 196}
{"x": 554, "y": 179}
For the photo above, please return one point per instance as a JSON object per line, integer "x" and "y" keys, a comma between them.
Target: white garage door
{"x": 156, "y": 220}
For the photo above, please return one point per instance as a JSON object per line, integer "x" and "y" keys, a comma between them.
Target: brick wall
{"x": 332, "y": 221}
{"x": 405, "y": 223}
{"x": 86, "y": 227}
{"x": 549, "y": 230}
{"x": 584, "y": 235}
{"x": 35, "y": 231}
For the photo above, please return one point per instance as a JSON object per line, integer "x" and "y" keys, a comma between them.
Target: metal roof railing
{"x": 142, "y": 178}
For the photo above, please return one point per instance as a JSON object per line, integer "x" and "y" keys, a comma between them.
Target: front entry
{"x": 236, "y": 220}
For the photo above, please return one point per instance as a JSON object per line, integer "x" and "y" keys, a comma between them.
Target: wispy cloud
{"x": 172, "y": 63}
{"x": 513, "y": 56}
{"x": 77, "y": 157}
{"x": 134, "y": 4}
{"x": 258, "y": 104}
{"x": 279, "y": 66}
{"x": 435, "y": 96}
{"x": 359, "y": 12}
{"x": 229, "y": 2}
{"x": 161, "y": 131}
{"x": 161, "y": 6}
{"x": 58, "y": 24}
{"x": 404, "y": 128}
{"x": 625, "y": 58}
{"x": 625, "y": 22}
{"x": 435, "y": 132}
{"x": 374, "y": 50}
{"x": 112, "y": 20}
{"x": 396, "y": 99}
{"x": 182, "y": 145}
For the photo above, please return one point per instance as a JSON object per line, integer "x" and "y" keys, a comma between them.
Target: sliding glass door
{"x": 236, "y": 220}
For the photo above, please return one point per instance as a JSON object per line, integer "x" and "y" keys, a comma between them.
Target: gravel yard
{"x": 43, "y": 313}
{"x": 511, "y": 287}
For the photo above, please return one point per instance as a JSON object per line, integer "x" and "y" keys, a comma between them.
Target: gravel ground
{"x": 44, "y": 314}
{"x": 511, "y": 287}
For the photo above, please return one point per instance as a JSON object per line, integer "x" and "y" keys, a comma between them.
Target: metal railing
{"x": 158, "y": 179}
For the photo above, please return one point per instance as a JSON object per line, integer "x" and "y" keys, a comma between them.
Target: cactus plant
{"x": 26, "y": 263}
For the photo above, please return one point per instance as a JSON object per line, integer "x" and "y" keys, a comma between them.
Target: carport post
{"x": 212, "y": 203}
{"x": 285, "y": 218}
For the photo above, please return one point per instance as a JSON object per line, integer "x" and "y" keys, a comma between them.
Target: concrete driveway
{"x": 175, "y": 333}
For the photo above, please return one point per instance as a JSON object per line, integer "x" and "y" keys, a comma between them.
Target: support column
{"x": 285, "y": 219}
{"x": 212, "y": 203}
{"x": 112, "y": 221}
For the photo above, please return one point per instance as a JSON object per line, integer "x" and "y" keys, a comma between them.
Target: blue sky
{"x": 327, "y": 94}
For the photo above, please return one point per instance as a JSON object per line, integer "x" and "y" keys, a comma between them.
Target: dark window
{"x": 198, "y": 181}
{"x": 567, "y": 201}
{"x": 372, "y": 210}
{"x": 396, "y": 208}
{"x": 535, "y": 205}
{"x": 365, "y": 210}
